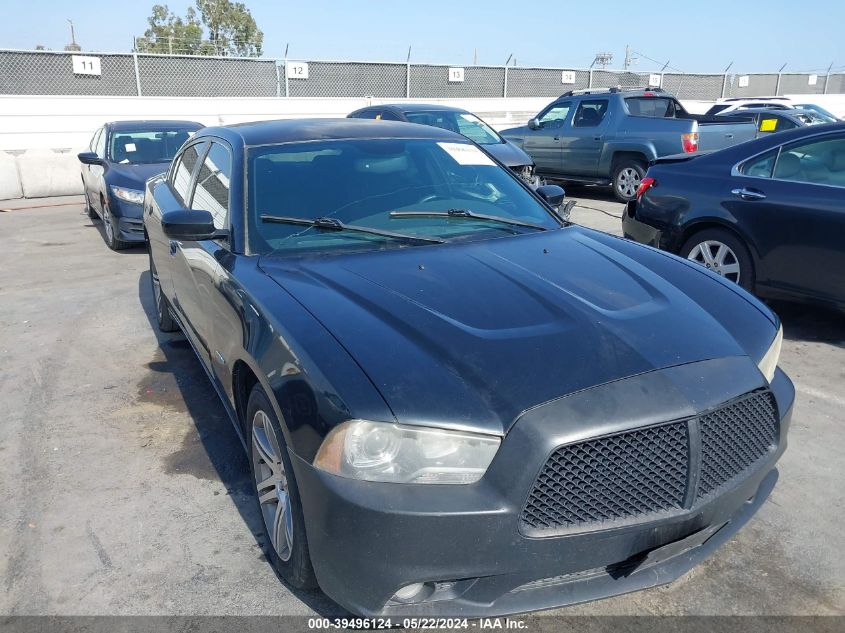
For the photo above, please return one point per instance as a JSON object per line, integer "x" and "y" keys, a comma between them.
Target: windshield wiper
{"x": 465, "y": 213}
{"x": 333, "y": 224}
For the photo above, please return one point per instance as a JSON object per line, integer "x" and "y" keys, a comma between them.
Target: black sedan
{"x": 462, "y": 122}
{"x": 120, "y": 158}
{"x": 768, "y": 214}
{"x": 454, "y": 402}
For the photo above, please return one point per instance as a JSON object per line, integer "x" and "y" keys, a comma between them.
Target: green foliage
{"x": 231, "y": 30}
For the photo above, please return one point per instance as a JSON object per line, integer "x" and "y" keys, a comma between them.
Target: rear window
{"x": 656, "y": 107}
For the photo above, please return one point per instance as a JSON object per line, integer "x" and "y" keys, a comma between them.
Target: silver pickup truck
{"x": 608, "y": 137}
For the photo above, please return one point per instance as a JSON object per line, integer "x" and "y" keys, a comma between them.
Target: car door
{"x": 171, "y": 195}
{"x": 196, "y": 269}
{"x": 791, "y": 201}
{"x": 543, "y": 143}
{"x": 582, "y": 139}
{"x": 86, "y": 169}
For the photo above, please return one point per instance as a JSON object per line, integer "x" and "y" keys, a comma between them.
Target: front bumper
{"x": 368, "y": 540}
{"x": 129, "y": 222}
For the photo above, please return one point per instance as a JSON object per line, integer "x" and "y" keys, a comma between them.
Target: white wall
{"x": 64, "y": 125}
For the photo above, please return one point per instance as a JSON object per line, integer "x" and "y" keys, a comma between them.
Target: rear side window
{"x": 389, "y": 116}
{"x": 183, "y": 169}
{"x": 658, "y": 107}
{"x": 761, "y": 166}
{"x": 772, "y": 123}
{"x": 590, "y": 113}
{"x": 213, "y": 182}
{"x": 367, "y": 114}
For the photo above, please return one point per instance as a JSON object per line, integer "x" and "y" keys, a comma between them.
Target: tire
{"x": 277, "y": 495}
{"x": 627, "y": 174}
{"x": 164, "y": 318}
{"x": 722, "y": 252}
{"x": 112, "y": 241}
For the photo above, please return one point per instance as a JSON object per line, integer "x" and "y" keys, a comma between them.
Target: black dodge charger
{"x": 768, "y": 214}
{"x": 453, "y": 401}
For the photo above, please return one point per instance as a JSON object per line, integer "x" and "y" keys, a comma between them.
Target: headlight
{"x": 129, "y": 195}
{"x": 379, "y": 451}
{"x": 769, "y": 362}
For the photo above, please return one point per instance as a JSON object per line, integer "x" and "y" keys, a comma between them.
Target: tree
{"x": 231, "y": 27}
{"x": 231, "y": 30}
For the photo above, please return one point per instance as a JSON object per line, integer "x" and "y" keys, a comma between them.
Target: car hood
{"x": 134, "y": 176}
{"x": 468, "y": 336}
{"x": 509, "y": 154}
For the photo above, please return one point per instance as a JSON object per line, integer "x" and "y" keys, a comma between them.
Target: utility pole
{"x": 475, "y": 57}
{"x": 628, "y": 60}
{"x": 72, "y": 33}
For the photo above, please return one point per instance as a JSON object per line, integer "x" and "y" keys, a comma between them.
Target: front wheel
{"x": 110, "y": 228}
{"x": 165, "y": 320}
{"x": 277, "y": 495}
{"x": 627, "y": 175}
{"x": 723, "y": 253}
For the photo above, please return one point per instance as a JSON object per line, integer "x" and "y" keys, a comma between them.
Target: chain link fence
{"x": 121, "y": 74}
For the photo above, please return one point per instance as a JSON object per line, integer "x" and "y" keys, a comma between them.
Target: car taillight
{"x": 645, "y": 184}
{"x": 690, "y": 142}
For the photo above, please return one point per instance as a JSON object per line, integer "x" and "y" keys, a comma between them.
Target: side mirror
{"x": 534, "y": 124}
{"x": 191, "y": 225}
{"x": 552, "y": 194}
{"x": 90, "y": 158}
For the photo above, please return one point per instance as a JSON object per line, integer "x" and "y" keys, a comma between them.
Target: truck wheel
{"x": 723, "y": 253}
{"x": 277, "y": 494}
{"x": 627, "y": 174}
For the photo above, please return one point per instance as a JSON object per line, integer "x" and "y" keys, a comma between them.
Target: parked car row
{"x": 423, "y": 357}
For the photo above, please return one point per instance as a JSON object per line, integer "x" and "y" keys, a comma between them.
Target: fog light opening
{"x": 415, "y": 592}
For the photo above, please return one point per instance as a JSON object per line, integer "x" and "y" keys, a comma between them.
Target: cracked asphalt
{"x": 125, "y": 491}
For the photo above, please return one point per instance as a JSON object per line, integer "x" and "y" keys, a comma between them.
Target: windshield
{"x": 461, "y": 122}
{"x": 139, "y": 147}
{"x": 825, "y": 115}
{"x": 361, "y": 182}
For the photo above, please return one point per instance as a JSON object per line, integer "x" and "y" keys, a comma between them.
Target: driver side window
{"x": 555, "y": 116}
{"x": 100, "y": 145}
{"x": 183, "y": 168}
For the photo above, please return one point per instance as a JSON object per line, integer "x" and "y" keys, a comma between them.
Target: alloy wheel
{"x": 107, "y": 225}
{"x": 717, "y": 257}
{"x": 272, "y": 485}
{"x": 628, "y": 181}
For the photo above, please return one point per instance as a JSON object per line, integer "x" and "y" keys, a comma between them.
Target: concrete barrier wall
{"x": 40, "y": 136}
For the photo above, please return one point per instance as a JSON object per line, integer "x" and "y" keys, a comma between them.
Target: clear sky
{"x": 691, "y": 36}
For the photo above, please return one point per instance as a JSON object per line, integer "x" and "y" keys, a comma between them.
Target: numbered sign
{"x": 654, "y": 81}
{"x": 83, "y": 65}
{"x": 567, "y": 77}
{"x": 743, "y": 81}
{"x": 297, "y": 70}
{"x": 813, "y": 80}
{"x": 456, "y": 74}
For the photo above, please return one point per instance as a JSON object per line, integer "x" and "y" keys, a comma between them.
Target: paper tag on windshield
{"x": 466, "y": 154}
{"x": 130, "y": 147}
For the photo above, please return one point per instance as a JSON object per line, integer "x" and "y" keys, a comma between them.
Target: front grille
{"x": 611, "y": 478}
{"x": 646, "y": 471}
{"x": 734, "y": 438}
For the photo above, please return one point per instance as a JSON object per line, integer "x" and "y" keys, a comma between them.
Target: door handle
{"x": 597, "y": 138}
{"x": 174, "y": 246}
{"x": 557, "y": 137}
{"x": 749, "y": 194}
{"x": 729, "y": 135}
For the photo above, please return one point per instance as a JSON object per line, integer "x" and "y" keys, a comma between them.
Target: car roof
{"x": 417, "y": 107}
{"x": 741, "y": 151}
{"x": 153, "y": 123}
{"x": 301, "y": 130}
